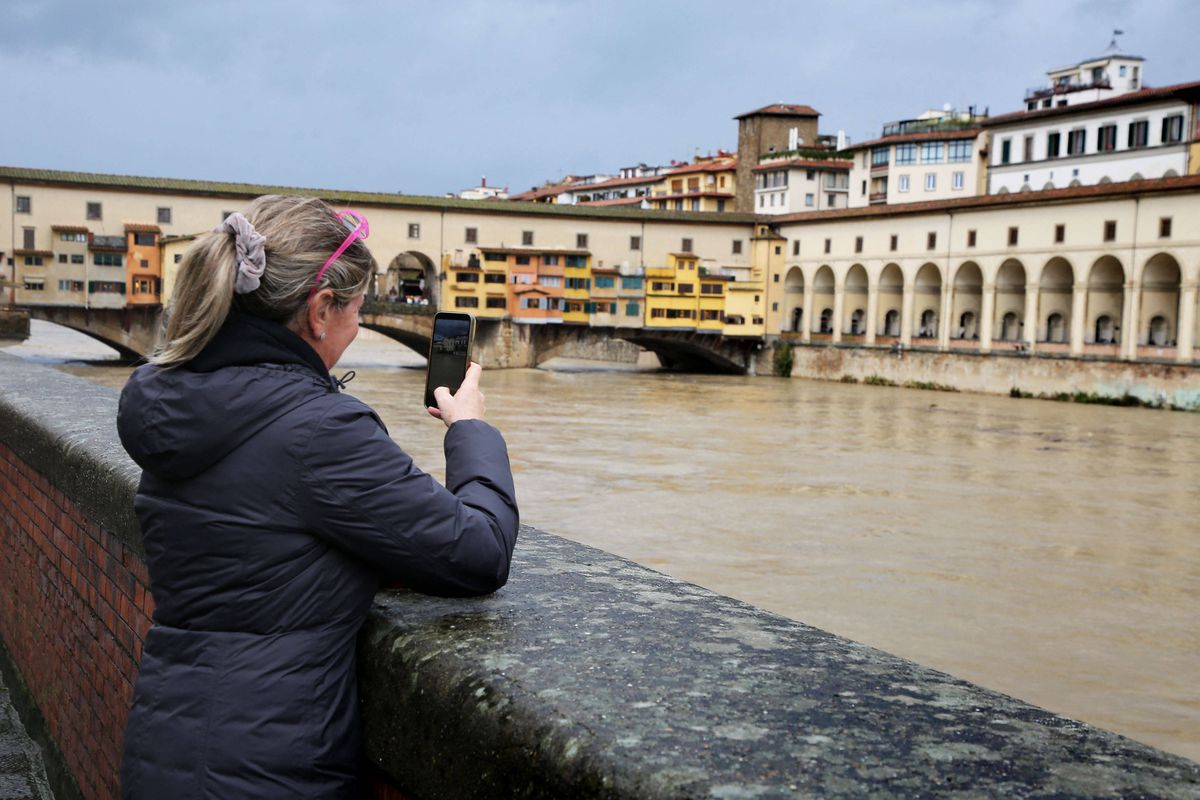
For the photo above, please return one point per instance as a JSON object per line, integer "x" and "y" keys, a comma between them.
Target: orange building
{"x": 706, "y": 185}
{"x": 143, "y": 264}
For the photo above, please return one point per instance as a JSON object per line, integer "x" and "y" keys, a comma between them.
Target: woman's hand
{"x": 466, "y": 403}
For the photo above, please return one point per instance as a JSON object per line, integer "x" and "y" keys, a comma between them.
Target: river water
{"x": 1050, "y": 551}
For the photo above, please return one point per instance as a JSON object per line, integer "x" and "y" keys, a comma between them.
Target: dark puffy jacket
{"x": 271, "y": 505}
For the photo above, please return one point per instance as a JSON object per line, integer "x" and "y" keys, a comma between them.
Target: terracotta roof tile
{"x": 728, "y": 165}
{"x": 1183, "y": 91}
{"x": 616, "y": 201}
{"x": 70, "y": 228}
{"x": 925, "y": 136}
{"x": 141, "y": 227}
{"x": 803, "y": 162}
{"x": 783, "y": 109}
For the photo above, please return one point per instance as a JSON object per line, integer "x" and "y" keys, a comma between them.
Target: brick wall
{"x": 74, "y": 607}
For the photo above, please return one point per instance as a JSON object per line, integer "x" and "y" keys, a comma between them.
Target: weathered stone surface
{"x": 591, "y": 676}
{"x": 22, "y": 774}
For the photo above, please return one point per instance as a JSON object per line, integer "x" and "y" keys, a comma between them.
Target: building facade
{"x": 917, "y": 166}
{"x": 777, "y": 128}
{"x": 797, "y": 185}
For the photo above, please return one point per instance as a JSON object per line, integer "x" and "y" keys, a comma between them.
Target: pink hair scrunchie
{"x": 251, "y": 255}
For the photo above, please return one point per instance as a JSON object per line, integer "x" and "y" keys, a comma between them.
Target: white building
{"x": 796, "y": 185}
{"x": 1088, "y": 81}
{"x": 484, "y": 192}
{"x": 918, "y": 160}
{"x": 1132, "y": 135}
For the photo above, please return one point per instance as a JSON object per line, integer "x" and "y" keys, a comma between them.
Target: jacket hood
{"x": 176, "y": 423}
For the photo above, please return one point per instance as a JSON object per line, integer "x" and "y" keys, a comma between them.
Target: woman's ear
{"x": 318, "y": 311}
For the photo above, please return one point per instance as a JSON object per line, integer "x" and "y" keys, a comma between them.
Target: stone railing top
{"x": 591, "y": 676}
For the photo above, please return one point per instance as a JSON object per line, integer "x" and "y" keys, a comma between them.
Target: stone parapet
{"x": 586, "y": 676}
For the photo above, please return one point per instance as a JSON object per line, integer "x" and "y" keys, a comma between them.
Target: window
{"x": 858, "y": 244}
{"x": 1110, "y": 230}
{"x": 108, "y": 259}
{"x": 635, "y": 243}
{"x": 903, "y": 184}
{"x": 27, "y": 237}
{"x": 495, "y": 302}
{"x": 932, "y": 152}
{"x": 1027, "y": 149}
{"x": 466, "y": 277}
{"x": 527, "y": 238}
{"x": 1076, "y": 142}
{"x": 1172, "y": 129}
{"x": 579, "y": 283}
{"x": 414, "y": 230}
{"x": 145, "y": 264}
{"x": 1060, "y": 233}
{"x": 579, "y": 262}
{"x": 710, "y": 288}
{"x": 471, "y": 235}
{"x": 110, "y": 287}
{"x": 958, "y": 180}
{"x": 164, "y": 215}
{"x": 930, "y": 181}
{"x": 1013, "y": 233}
{"x": 605, "y": 281}
{"x": 466, "y": 302}
{"x": 144, "y": 239}
{"x": 581, "y": 241}
{"x": 796, "y": 247}
{"x": 960, "y": 150}
{"x": 720, "y": 206}
{"x": 737, "y": 247}
{"x": 70, "y": 286}
{"x": 494, "y": 257}
{"x": 1106, "y": 138}
{"x": 864, "y": 188}
{"x": 628, "y": 282}
{"x": 94, "y": 211}
{"x": 828, "y": 245}
{"x": 632, "y": 309}
{"x": 971, "y": 238}
{"x": 695, "y": 204}
{"x": 931, "y": 241}
{"x": 24, "y": 204}
{"x": 550, "y": 261}
{"x": 1164, "y": 227}
{"x": 1005, "y": 151}
{"x": 33, "y": 261}
{"x": 1053, "y": 144}
{"x": 1139, "y": 133}
{"x": 809, "y": 199}
{"x": 521, "y": 261}
{"x": 879, "y": 156}
{"x": 686, "y": 288}
{"x": 545, "y": 280}
{"x": 685, "y": 246}
{"x": 906, "y": 154}
{"x": 34, "y": 284}
{"x": 894, "y": 243}
{"x": 77, "y": 258}
{"x": 73, "y": 237}
{"x": 493, "y": 277}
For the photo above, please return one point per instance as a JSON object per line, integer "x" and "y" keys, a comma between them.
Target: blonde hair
{"x": 301, "y": 233}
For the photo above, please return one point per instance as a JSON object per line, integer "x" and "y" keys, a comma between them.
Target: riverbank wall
{"x": 586, "y": 676}
{"x": 1094, "y": 379}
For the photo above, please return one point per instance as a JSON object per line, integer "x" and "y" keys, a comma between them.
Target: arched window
{"x": 928, "y": 324}
{"x": 856, "y": 322}
{"x": 1056, "y": 328}
{"x": 966, "y": 326}
{"x": 1105, "y": 330}
{"x": 1159, "y": 331}
{"x": 827, "y": 321}
{"x": 891, "y": 323}
{"x": 1010, "y": 328}
{"x": 797, "y": 319}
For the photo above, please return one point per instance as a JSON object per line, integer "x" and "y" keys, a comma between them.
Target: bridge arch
{"x": 132, "y": 332}
{"x": 411, "y": 276}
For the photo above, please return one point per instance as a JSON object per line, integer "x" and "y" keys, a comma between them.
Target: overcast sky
{"x": 425, "y": 97}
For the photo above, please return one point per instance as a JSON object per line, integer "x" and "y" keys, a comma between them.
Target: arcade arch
{"x": 1105, "y": 301}
{"x": 1159, "y": 311}
{"x": 1054, "y": 301}
{"x": 927, "y": 297}
{"x": 793, "y": 297}
{"x": 823, "y": 299}
{"x": 891, "y": 300}
{"x": 966, "y": 305}
{"x": 854, "y": 300}
{"x": 1010, "y": 302}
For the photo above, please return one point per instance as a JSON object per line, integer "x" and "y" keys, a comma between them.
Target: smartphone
{"x": 449, "y": 353}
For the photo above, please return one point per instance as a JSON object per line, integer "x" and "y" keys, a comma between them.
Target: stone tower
{"x": 767, "y": 130}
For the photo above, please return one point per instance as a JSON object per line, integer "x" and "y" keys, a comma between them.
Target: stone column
{"x": 872, "y": 311}
{"x": 806, "y": 324}
{"x": 1031, "y": 315}
{"x": 906, "y": 315}
{"x": 1078, "y": 313}
{"x": 947, "y": 307}
{"x": 1131, "y": 323}
{"x": 987, "y": 317}
{"x": 1185, "y": 335}
{"x": 839, "y": 300}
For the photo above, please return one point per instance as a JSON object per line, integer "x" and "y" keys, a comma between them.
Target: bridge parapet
{"x": 586, "y": 676}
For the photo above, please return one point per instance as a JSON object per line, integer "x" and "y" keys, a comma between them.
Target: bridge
{"x": 132, "y": 332}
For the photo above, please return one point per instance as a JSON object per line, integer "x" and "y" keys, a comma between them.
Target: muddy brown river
{"x": 1050, "y": 551}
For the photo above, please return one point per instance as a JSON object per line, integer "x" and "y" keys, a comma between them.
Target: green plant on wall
{"x": 783, "y": 359}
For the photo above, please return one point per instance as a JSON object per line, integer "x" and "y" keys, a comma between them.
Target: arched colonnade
{"x": 1100, "y": 305}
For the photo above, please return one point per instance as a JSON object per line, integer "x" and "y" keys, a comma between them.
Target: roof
{"x": 727, "y": 165}
{"x": 1105, "y": 57}
{"x": 587, "y": 187}
{"x": 535, "y": 251}
{"x": 542, "y": 191}
{"x": 70, "y": 228}
{"x": 616, "y": 201}
{"x": 341, "y": 197}
{"x": 923, "y": 136}
{"x": 141, "y": 227}
{"x": 1098, "y": 191}
{"x": 1180, "y": 91}
{"x": 23, "y": 252}
{"x": 782, "y": 110}
{"x": 803, "y": 163}
{"x": 682, "y": 195}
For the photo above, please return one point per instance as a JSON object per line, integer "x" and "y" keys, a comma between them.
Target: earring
{"x": 322, "y": 336}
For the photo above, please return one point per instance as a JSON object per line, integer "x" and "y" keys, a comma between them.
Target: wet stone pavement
{"x": 22, "y": 776}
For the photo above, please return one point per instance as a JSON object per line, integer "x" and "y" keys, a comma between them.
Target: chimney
{"x": 483, "y": 182}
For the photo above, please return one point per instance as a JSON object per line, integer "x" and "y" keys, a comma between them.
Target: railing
{"x": 877, "y": 197}
{"x": 382, "y": 306}
{"x": 1040, "y": 92}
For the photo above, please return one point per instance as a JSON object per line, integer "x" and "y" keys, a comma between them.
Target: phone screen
{"x": 449, "y": 353}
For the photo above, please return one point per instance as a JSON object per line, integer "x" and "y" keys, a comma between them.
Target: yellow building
{"x": 577, "y": 283}
{"x": 711, "y": 307}
{"x": 706, "y": 185}
{"x": 745, "y": 298}
{"x": 476, "y": 283}
{"x": 673, "y": 293}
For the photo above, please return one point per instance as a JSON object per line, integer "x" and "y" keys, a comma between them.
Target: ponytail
{"x": 201, "y": 300}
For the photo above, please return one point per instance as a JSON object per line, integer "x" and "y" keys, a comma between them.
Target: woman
{"x": 271, "y": 506}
